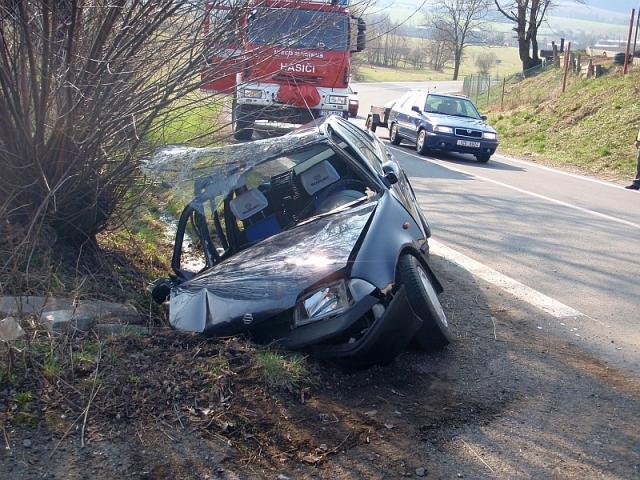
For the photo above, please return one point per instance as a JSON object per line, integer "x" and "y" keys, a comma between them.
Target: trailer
{"x": 378, "y": 116}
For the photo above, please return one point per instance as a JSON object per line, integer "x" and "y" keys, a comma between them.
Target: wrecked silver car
{"x": 313, "y": 240}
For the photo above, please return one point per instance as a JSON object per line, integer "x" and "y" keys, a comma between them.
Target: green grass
{"x": 192, "y": 121}
{"x": 214, "y": 365}
{"x": 508, "y": 56}
{"x": 591, "y": 126}
{"x": 284, "y": 371}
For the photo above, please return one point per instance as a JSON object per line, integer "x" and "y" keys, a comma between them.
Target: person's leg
{"x": 636, "y": 181}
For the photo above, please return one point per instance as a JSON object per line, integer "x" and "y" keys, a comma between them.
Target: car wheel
{"x": 421, "y": 142}
{"x": 423, "y": 298}
{"x": 369, "y": 124}
{"x": 241, "y": 128}
{"x": 394, "y": 136}
{"x": 483, "y": 158}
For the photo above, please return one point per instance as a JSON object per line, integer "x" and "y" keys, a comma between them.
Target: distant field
{"x": 508, "y": 56}
{"x": 551, "y": 27}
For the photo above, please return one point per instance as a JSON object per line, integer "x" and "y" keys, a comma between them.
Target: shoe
{"x": 633, "y": 186}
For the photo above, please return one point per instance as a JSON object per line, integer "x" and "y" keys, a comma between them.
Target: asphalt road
{"x": 570, "y": 238}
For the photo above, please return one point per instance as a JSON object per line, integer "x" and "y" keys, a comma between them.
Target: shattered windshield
{"x": 299, "y": 28}
{"x": 242, "y": 194}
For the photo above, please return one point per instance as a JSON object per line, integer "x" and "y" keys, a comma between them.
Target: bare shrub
{"x": 81, "y": 83}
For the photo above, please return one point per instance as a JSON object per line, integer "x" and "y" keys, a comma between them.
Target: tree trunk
{"x": 524, "y": 46}
{"x": 456, "y": 63}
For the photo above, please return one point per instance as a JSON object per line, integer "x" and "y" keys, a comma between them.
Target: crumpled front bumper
{"x": 380, "y": 344}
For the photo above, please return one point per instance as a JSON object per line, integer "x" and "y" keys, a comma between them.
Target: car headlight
{"x": 443, "y": 129}
{"x": 489, "y": 135}
{"x": 330, "y": 300}
{"x": 251, "y": 93}
{"x": 325, "y": 302}
{"x": 337, "y": 100}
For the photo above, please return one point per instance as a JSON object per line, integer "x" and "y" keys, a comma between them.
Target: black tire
{"x": 483, "y": 158}
{"x": 369, "y": 124}
{"x": 434, "y": 333}
{"x": 421, "y": 142}
{"x": 394, "y": 136}
{"x": 241, "y": 126}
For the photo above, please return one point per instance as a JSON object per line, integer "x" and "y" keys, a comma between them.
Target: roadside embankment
{"x": 591, "y": 126}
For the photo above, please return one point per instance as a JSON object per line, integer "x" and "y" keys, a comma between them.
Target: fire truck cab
{"x": 287, "y": 61}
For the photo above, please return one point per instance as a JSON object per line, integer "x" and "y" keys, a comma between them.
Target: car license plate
{"x": 326, "y": 113}
{"x": 467, "y": 143}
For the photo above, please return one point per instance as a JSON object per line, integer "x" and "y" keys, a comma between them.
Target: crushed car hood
{"x": 267, "y": 278}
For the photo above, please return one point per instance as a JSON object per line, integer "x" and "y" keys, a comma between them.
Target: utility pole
{"x": 626, "y": 57}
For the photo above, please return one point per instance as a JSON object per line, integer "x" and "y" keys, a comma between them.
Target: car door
{"x": 415, "y": 118}
{"x": 395, "y": 116}
{"x": 405, "y": 124}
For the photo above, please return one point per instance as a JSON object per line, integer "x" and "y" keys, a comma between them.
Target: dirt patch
{"x": 505, "y": 400}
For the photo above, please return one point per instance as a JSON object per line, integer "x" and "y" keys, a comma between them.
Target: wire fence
{"x": 487, "y": 90}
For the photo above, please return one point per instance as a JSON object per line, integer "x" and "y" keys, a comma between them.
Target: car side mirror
{"x": 483, "y": 117}
{"x": 391, "y": 172}
{"x": 415, "y": 108}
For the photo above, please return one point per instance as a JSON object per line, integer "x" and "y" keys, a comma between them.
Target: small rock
{"x": 324, "y": 447}
{"x": 26, "y": 443}
{"x": 283, "y": 477}
{"x": 460, "y": 475}
{"x": 10, "y": 329}
{"x": 421, "y": 472}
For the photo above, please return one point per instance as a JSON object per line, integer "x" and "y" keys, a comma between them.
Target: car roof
{"x": 435, "y": 92}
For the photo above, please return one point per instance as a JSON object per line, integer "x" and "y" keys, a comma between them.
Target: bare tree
{"x": 455, "y": 20}
{"x": 81, "y": 85}
{"x": 527, "y": 15}
{"x": 439, "y": 52}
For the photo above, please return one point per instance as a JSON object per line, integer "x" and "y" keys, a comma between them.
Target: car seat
{"x": 249, "y": 207}
{"x": 448, "y": 108}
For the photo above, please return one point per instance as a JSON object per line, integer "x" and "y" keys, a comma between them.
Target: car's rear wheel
{"x": 421, "y": 142}
{"x": 394, "y": 136}
{"x": 423, "y": 298}
{"x": 483, "y": 158}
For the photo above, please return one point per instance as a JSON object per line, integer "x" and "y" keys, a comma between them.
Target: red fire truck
{"x": 286, "y": 60}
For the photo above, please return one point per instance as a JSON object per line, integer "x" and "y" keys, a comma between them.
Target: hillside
{"x": 592, "y": 126}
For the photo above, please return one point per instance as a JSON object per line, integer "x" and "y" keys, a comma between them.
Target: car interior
{"x": 277, "y": 195}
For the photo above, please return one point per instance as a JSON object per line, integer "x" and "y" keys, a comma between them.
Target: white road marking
{"x": 527, "y": 192}
{"x": 555, "y": 170}
{"x": 515, "y": 288}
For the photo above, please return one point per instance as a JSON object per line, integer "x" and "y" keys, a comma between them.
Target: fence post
{"x": 566, "y": 67}
{"x": 504, "y": 82}
{"x": 488, "y": 88}
{"x": 478, "y": 88}
{"x": 626, "y": 57}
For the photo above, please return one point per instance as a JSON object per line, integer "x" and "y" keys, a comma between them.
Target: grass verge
{"x": 591, "y": 126}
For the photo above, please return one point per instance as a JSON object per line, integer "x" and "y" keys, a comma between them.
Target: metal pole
{"x": 626, "y": 57}
{"x": 504, "y": 82}
{"x": 566, "y": 67}
{"x": 635, "y": 41}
